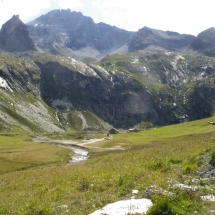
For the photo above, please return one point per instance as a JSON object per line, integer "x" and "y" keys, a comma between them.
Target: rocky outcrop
{"x": 14, "y": 36}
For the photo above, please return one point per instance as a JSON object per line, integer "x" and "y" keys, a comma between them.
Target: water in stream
{"x": 79, "y": 156}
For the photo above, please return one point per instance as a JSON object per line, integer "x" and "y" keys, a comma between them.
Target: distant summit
{"x": 205, "y": 42}
{"x": 61, "y": 18}
{"x": 71, "y": 33}
{"x": 148, "y": 38}
{"x": 14, "y": 36}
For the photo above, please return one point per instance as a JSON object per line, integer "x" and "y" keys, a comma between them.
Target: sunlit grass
{"x": 150, "y": 158}
{"x": 19, "y": 152}
{"x": 162, "y": 134}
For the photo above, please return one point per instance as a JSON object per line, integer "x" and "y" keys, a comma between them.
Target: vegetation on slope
{"x": 178, "y": 86}
{"x": 166, "y": 88}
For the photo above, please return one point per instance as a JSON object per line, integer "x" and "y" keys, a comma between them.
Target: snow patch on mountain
{"x": 4, "y": 84}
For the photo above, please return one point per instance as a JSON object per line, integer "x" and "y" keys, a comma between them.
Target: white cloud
{"x": 183, "y": 16}
{"x": 27, "y": 9}
{"x": 24, "y": 8}
{"x": 64, "y": 4}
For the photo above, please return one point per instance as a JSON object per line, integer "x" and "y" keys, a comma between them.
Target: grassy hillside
{"x": 161, "y": 157}
{"x": 172, "y": 133}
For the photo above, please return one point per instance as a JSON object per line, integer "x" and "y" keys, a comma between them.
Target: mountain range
{"x": 73, "y": 34}
{"x": 62, "y": 71}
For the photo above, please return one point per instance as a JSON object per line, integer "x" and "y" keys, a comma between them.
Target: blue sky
{"x": 183, "y": 16}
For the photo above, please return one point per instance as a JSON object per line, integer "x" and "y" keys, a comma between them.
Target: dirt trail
{"x": 82, "y": 143}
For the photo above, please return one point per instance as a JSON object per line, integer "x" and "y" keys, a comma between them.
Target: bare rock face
{"x": 88, "y": 89}
{"x": 14, "y": 36}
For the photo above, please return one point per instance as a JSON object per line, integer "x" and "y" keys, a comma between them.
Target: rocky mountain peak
{"x": 160, "y": 40}
{"x": 10, "y": 25}
{"x": 75, "y": 35}
{"x": 205, "y": 42}
{"x": 208, "y": 33}
{"x": 61, "y": 18}
{"x": 14, "y": 36}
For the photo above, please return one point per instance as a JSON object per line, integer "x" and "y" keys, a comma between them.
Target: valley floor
{"x": 165, "y": 158}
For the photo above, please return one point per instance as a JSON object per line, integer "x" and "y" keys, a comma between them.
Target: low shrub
{"x": 162, "y": 206}
{"x": 212, "y": 161}
{"x": 189, "y": 169}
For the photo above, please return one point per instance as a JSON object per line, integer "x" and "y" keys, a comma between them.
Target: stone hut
{"x": 113, "y": 131}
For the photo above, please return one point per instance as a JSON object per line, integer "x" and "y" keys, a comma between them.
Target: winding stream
{"x": 79, "y": 148}
{"x": 80, "y": 153}
{"x": 79, "y": 156}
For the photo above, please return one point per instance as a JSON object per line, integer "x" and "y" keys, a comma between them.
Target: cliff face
{"x": 79, "y": 96}
{"x": 14, "y": 36}
{"x": 27, "y": 86}
{"x": 77, "y": 86}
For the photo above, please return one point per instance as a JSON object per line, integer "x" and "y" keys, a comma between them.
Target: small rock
{"x": 135, "y": 191}
{"x": 62, "y": 206}
{"x": 155, "y": 190}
